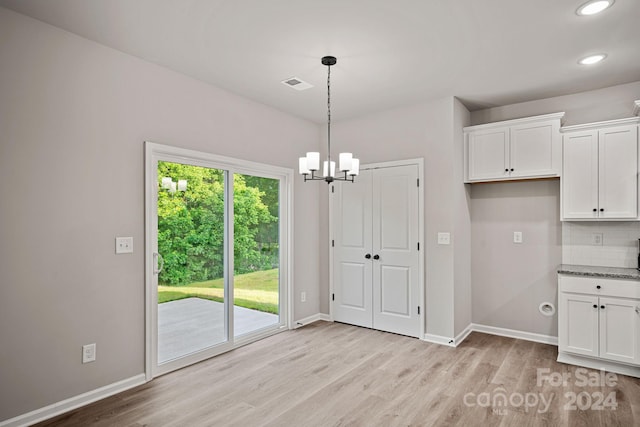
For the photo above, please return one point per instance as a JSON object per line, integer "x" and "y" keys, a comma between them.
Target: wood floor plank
{"x": 331, "y": 374}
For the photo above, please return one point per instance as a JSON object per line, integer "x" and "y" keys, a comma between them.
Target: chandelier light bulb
{"x": 310, "y": 164}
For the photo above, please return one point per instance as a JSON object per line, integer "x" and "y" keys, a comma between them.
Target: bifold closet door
{"x": 352, "y": 271}
{"x": 395, "y": 241}
{"x": 376, "y": 264}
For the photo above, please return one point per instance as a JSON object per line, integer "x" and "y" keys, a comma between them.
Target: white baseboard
{"x": 511, "y": 333}
{"x": 437, "y": 339}
{"x": 307, "y": 320}
{"x": 73, "y": 402}
{"x": 449, "y": 341}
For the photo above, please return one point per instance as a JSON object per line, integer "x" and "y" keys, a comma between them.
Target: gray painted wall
{"x": 426, "y": 131}
{"x": 74, "y": 115}
{"x": 509, "y": 281}
{"x": 610, "y": 103}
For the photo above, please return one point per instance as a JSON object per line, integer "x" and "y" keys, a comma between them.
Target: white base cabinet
{"x": 600, "y": 319}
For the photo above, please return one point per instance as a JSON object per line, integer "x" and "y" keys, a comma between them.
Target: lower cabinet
{"x": 599, "y": 318}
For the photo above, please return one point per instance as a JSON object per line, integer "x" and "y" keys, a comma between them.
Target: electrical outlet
{"x": 124, "y": 245}
{"x": 596, "y": 239}
{"x": 444, "y": 238}
{"x": 303, "y": 297}
{"x": 517, "y": 237}
{"x": 88, "y": 353}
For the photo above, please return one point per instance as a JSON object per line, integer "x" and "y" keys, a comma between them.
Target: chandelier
{"x": 349, "y": 167}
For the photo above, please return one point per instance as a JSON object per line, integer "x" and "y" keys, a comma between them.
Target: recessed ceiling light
{"x": 594, "y": 6}
{"x": 592, "y": 59}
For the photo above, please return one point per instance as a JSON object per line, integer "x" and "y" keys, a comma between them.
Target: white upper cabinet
{"x": 600, "y": 171}
{"x": 514, "y": 149}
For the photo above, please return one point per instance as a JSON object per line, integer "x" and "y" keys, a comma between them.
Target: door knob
{"x": 368, "y": 256}
{"x": 376, "y": 256}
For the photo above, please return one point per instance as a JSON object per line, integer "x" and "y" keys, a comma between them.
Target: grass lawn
{"x": 257, "y": 291}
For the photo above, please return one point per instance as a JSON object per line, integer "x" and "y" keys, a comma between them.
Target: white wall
{"x": 509, "y": 281}
{"x": 420, "y": 131}
{"x": 74, "y": 116}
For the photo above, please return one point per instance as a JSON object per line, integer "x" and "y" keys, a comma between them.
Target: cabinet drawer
{"x": 600, "y": 286}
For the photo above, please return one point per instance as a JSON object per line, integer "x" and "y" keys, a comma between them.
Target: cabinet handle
{"x": 601, "y": 209}
{"x": 602, "y": 307}
{"x": 595, "y": 305}
{"x": 511, "y": 169}
{"x": 598, "y": 287}
{"x": 638, "y": 310}
{"x": 368, "y": 256}
{"x": 595, "y": 210}
{"x": 506, "y": 170}
{"x": 376, "y": 257}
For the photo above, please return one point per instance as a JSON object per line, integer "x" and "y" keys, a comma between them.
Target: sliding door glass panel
{"x": 191, "y": 244}
{"x": 256, "y": 284}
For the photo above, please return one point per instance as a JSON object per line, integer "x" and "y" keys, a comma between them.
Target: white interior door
{"x": 395, "y": 246}
{"x": 376, "y": 268}
{"x": 352, "y": 252}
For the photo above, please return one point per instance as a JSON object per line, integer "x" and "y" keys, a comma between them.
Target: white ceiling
{"x": 390, "y": 53}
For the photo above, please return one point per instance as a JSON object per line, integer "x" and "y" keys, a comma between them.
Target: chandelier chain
{"x": 329, "y": 114}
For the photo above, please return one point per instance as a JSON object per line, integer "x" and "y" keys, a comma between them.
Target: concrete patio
{"x": 192, "y": 324}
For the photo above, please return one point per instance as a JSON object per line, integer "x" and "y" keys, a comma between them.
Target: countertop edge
{"x": 603, "y": 272}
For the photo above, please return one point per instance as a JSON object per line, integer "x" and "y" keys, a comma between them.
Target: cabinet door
{"x": 580, "y": 175}
{"x": 489, "y": 154}
{"x": 618, "y": 172}
{"x": 578, "y": 324}
{"x": 620, "y": 330}
{"x": 535, "y": 150}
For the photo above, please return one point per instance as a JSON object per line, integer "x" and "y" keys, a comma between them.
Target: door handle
{"x": 368, "y": 256}
{"x": 376, "y": 256}
{"x": 158, "y": 263}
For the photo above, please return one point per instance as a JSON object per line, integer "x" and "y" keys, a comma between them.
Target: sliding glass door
{"x": 256, "y": 253}
{"x": 217, "y": 231}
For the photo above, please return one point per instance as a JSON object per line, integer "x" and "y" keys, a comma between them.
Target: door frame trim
{"x": 421, "y": 258}
{"x": 151, "y": 151}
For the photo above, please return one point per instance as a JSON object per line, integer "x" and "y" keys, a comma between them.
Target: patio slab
{"x": 192, "y": 324}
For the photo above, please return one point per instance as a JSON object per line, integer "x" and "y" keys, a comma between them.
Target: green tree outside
{"x": 191, "y": 224}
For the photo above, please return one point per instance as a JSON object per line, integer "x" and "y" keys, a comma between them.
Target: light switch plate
{"x": 89, "y": 353}
{"x": 444, "y": 238}
{"x": 124, "y": 245}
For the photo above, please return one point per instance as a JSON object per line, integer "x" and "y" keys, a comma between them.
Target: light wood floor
{"x": 330, "y": 374}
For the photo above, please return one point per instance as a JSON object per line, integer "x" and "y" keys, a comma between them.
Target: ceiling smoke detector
{"x": 296, "y": 83}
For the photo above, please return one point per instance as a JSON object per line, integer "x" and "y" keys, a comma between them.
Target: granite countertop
{"x": 594, "y": 271}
